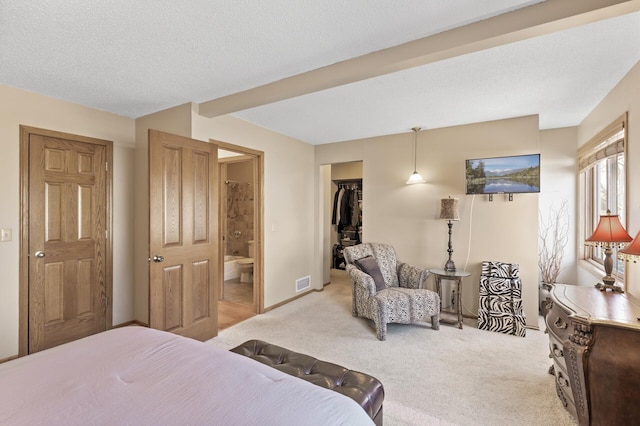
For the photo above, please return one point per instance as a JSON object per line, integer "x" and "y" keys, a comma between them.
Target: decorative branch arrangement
{"x": 554, "y": 235}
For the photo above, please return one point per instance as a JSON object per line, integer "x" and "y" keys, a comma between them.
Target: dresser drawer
{"x": 556, "y": 351}
{"x": 558, "y": 323}
{"x": 563, "y": 388}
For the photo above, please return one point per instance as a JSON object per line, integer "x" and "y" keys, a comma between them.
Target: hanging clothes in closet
{"x": 337, "y": 201}
{"x": 346, "y": 209}
{"x": 347, "y": 217}
{"x": 355, "y": 208}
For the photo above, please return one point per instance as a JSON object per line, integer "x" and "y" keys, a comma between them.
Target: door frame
{"x": 23, "y": 285}
{"x": 258, "y": 222}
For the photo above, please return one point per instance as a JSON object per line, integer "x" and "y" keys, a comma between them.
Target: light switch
{"x": 5, "y": 234}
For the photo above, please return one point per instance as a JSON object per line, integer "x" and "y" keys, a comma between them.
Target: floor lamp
{"x": 609, "y": 234}
{"x": 449, "y": 211}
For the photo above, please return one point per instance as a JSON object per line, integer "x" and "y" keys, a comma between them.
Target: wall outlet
{"x": 5, "y": 234}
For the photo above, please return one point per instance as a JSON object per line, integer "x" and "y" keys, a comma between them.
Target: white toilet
{"x": 246, "y": 266}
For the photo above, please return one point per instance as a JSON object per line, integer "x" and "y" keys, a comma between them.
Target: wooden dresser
{"x": 594, "y": 339}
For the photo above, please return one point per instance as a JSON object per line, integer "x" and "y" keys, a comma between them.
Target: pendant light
{"x": 415, "y": 176}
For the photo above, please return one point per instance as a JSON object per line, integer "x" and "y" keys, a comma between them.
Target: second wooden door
{"x": 183, "y": 235}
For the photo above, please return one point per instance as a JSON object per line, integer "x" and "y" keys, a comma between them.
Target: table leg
{"x": 437, "y": 280}
{"x": 459, "y": 302}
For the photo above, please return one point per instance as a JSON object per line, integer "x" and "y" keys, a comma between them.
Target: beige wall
{"x": 322, "y": 224}
{"x": 406, "y": 216}
{"x": 350, "y": 170}
{"x": 240, "y": 171}
{"x": 558, "y": 168}
{"x": 20, "y": 107}
{"x": 288, "y": 201}
{"x": 624, "y": 97}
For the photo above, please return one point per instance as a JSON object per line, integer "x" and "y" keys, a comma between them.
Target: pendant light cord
{"x": 415, "y": 148}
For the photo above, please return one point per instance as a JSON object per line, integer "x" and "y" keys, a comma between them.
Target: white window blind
{"x": 608, "y": 143}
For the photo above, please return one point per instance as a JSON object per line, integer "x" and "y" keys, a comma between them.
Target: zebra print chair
{"x": 500, "y": 307}
{"x": 388, "y": 291}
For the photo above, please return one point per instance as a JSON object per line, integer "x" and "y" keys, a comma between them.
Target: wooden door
{"x": 183, "y": 235}
{"x": 68, "y": 286}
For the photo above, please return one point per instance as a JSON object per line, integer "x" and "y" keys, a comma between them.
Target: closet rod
{"x": 349, "y": 182}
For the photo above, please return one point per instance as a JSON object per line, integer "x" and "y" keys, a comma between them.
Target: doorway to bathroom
{"x": 240, "y": 227}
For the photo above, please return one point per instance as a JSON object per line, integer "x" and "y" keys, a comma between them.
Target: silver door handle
{"x": 158, "y": 258}
{"x": 39, "y": 254}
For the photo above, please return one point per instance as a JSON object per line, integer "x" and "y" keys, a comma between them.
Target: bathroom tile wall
{"x": 239, "y": 218}
{"x": 239, "y": 201}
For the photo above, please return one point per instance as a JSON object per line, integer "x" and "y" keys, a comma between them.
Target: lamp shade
{"x": 449, "y": 209}
{"x": 632, "y": 251}
{"x": 415, "y": 178}
{"x": 609, "y": 232}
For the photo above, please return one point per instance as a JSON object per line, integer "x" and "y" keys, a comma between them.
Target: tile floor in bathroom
{"x": 238, "y": 292}
{"x": 237, "y": 305}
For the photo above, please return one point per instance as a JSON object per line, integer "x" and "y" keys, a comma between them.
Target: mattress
{"x": 139, "y": 376}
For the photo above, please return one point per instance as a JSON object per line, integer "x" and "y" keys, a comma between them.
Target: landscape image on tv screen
{"x": 501, "y": 175}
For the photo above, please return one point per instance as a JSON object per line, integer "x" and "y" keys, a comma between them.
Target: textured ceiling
{"x": 561, "y": 76}
{"x": 137, "y": 57}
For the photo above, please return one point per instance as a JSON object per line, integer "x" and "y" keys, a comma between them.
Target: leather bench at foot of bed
{"x": 363, "y": 388}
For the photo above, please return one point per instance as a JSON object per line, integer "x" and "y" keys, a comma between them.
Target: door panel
{"x": 201, "y": 202}
{"x": 201, "y": 290}
{"x": 172, "y": 286}
{"x": 183, "y": 249}
{"x": 67, "y": 228}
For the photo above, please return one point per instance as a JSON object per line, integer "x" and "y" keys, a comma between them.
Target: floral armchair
{"x": 388, "y": 291}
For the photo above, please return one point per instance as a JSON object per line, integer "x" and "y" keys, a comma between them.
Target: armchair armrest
{"x": 360, "y": 279}
{"x": 410, "y": 276}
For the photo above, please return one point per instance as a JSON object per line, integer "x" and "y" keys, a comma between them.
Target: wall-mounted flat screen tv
{"x": 503, "y": 175}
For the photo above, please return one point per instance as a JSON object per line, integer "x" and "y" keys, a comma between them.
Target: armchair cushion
{"x": 369, "y": 266}
{"x": 410, "y": 276}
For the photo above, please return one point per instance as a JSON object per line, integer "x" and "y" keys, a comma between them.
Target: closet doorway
{"x": 346, "y": 209}
{"x": 241, "y": 278}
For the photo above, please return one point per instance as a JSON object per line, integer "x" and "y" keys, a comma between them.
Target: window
{"x": 603, "y": 184}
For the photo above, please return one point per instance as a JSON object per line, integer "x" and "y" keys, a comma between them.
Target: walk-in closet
{"x": 346, "y": 211}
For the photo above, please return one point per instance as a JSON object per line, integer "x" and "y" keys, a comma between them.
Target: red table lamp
{"x": 632, "y": 251}
{"x": 609, "y": 234}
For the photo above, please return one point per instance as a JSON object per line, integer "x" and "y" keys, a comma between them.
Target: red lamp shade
{"x": 609, "y": 232}
{"x": 632, "y": 251}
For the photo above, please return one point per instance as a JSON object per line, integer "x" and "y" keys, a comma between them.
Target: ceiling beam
{"x": 532, "y": 21}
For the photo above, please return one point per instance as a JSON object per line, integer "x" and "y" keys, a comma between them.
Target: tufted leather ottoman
{"x": 364, "y": 389}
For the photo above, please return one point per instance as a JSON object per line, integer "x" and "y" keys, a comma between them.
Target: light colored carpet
{"x": 444, "y": 377}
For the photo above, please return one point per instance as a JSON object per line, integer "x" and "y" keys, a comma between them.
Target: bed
{"x": 140, "y": 376}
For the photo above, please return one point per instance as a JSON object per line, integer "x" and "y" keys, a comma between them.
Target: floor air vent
{"x": 303, "y": 283}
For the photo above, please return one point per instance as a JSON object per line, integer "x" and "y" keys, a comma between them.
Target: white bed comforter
{"x": 139, "y": 376}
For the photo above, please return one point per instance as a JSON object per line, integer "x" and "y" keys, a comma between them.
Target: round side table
{"x": 457, "y": 276}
